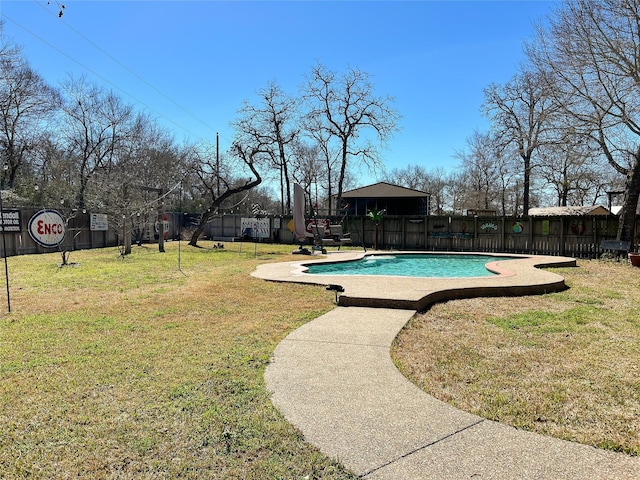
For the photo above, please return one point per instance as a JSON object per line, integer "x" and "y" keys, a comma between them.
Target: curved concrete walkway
{"x": 333, "y": 378}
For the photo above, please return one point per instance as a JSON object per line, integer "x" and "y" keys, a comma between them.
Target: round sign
{"x": 47, "y": 228}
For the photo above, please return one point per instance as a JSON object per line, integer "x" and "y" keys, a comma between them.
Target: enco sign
{"x": 47, "y": 228}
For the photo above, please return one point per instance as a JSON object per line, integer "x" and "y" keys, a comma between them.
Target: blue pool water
{"x": 411, "y": 265}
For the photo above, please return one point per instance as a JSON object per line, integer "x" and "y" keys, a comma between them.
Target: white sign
{"x": 47, "y": 228}
{"x": 254, "y": 227}
{"x": 99, "y": 222}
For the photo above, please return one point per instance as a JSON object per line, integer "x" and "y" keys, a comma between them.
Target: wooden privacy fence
{"x": 566, "y": 236}
{"x": 81, "y": 232}
{"x": 579, "y": 236}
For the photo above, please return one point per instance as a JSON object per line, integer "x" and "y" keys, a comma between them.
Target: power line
{"x": 132, "y": 72}
{"x": 98, "y": 75}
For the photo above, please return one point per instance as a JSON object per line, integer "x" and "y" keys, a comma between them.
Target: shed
{"x": 396, "y": 200}
{"x": 588, "y": 210}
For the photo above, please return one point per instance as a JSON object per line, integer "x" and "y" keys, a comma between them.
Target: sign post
{"x": 258, "y": 214}
{"x": 4, "y": 250}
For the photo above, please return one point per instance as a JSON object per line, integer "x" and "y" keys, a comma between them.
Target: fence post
{"x": 562, "y": 246}
{"x": 474, "y": 245}
{"x": 594, "y": 245}
{"x": 426, "y": 232}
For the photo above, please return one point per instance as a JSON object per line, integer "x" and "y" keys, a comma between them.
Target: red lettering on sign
{"x": 49, "y": 228}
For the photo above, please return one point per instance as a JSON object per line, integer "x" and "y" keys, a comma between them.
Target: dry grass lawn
{"x": 132, "y": 368}
{"x": 122, "y": 369}
{"x": 565, "y": 364}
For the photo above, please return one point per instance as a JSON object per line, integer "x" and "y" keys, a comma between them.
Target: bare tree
{"x": 435, "y": 182}
{"x": 132, "y": 187}
{"x": 326, "y": 153}
{"x": 50, "y": 171}
{"x": 521, "y": 112}
{"x": 309, "y": 170}
{"x": 26, "y": 102}
{"x": 573, "y": 169}
{"x": 456, "y": 193}
{"x": 412, "y": 176}
{"x": 274, "y": 125}
{"x": 217, "y": 183}
{"x": 347, "y": 110}
{"x": 480, "y": 167}
{"x": 97, "y": 124}
{"x": 592, "y": 49}
{"x": 438, "y": 184}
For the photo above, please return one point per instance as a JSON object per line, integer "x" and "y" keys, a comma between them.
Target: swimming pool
{"x": 412, "y": 265}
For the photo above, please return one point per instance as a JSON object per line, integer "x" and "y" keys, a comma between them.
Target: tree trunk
{"x": 627, "y": 221}
{"x": 329, "y": 193}
{"x": 200, "y": 228}
{"x": 527, "y": 184}
{"x": 161, "y": 233}
{"x": 377, "y": 233}
{"x": 282, "y": 210}
{"x": 126, "y": 237}
{"x": 343, "y": 169}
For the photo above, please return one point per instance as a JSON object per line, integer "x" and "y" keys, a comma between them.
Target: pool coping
{"x": 515, "y": 277}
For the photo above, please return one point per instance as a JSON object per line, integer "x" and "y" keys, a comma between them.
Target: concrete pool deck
{"x": 517, "y": 277}
{"x": 333, "y": 379}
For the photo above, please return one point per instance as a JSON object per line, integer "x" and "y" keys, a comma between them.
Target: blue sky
{"x": 191, "y": 64}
